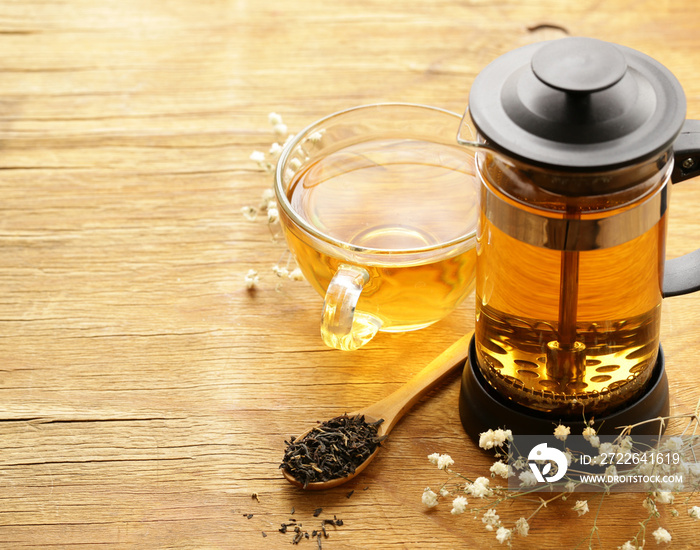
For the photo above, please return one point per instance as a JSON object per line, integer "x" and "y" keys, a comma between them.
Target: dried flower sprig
{"x": 459, "y": 488}
{"x": 251, "y": 279}
{"x": 267, "y": 209}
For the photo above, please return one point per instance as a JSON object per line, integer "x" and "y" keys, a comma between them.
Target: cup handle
{"x": 342, "y": 326}
{"x": 682, "y": 274}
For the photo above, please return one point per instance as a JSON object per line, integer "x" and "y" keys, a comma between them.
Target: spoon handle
{"x": 395, "y": 405}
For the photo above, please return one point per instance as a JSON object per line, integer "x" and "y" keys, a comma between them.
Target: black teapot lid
{"x": 577, "y": 103}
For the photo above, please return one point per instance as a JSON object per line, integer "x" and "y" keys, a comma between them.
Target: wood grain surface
{"x": 145, "y": 392}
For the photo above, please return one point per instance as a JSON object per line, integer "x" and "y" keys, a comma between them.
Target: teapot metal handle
{"x": 686, "y": 152}
{"x": 682, "y": 274}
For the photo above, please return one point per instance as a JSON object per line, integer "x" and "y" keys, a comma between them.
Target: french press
{"x": 576, "y": 143}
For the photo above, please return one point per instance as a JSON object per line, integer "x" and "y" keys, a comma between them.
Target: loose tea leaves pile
{"x": 331, "y": 450}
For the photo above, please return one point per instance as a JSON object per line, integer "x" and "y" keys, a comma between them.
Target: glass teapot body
{"x": 569, "y": 288}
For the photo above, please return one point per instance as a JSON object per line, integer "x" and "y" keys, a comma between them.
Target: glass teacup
{"x": 379, "y": 208}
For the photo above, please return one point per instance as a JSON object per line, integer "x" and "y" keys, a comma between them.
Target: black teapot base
{"x": 482, "y": 408}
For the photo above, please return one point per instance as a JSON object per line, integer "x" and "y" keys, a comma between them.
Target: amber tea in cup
{"x": 379, "y": 209}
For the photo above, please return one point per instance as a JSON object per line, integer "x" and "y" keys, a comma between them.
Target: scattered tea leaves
{"x": 300, "y": 534}
{"x": 335, "y": 521}
{"x": 332, "y": 450}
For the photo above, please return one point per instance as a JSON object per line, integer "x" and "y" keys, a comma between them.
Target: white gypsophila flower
{"x": 673, "y": 444}
{"x": 281, "y": 272}
{"x": 588, "y": 432}
{"x": 604, "y": 452}
{"x": 661, "y": 535}
{"x": 693, "y": 468}
{"x": 480, "y": 488}
{"x": 274, "y": 119}
{"x": 486, "y": 440}
{"x": 295, "y": 164}
{"x": 671, "y": 485}
{"x": 249, "y": 213}
{"x": 503, "y": 534}
{"x": 481, "y": 480}
{"x": 664, "y": 497}
{"x": 569, "y": 457}
{"x": 626, "y": 444}
{"x": 628, "y": 546}
{"x": 527, "y": 479}
{"x": 284, "y": 273}
{"x": 503, "y": 435}
{"x": 581, "y": 507}
{"x": 683, "y": 466}
{"x": 275, "y": 150}
{"x": 251, "y": 279}
{"x": 280, "y": 129}
{"x": 257, "y": 156}
{"x": 459, "y": 505}
{"x": 444, "y": 492}
{"x": 570, "y": 487}
{"x": 646, "y": 468}
{"x": 494, "y": 438}
{"x": 694, "y": 512}
{"x": 611, "y": 470}
{"x": 490, "y": 519}
{"x": 316, "y": 136}
{"x": 273, "y": 215}
{"x": 267, "y": 198}
{"x": 594, "y": 440}
{"x": 444, "y": 462}
{"x": 561, "y": 432}
{"x": 522, "y": 527}
{"x": 650, "y": 506}
{"x": 430, "y": 498}
{"x": 500, "y": 469}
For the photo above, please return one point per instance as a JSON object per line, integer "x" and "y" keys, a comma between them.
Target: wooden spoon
{"x": 393, "y": 407}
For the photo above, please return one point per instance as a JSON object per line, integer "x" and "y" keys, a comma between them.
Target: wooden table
{"x": 145, "y": 393}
